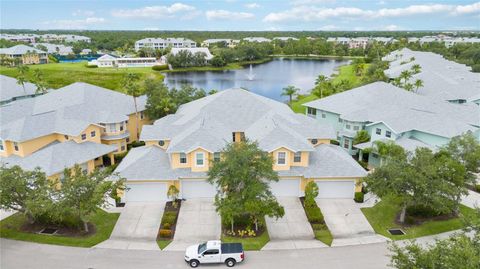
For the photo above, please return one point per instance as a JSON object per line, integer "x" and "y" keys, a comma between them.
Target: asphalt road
{"x": 23, "y": 255}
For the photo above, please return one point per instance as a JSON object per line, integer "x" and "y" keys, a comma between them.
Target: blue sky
{"x": 328, "y": 15}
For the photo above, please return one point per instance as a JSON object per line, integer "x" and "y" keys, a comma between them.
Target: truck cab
{"x": 214, "y": 252}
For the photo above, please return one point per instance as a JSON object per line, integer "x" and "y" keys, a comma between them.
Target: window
{"x": 324, "y": 115}
{"x": 66, "y": 137}
{"x": 122, "y": 148}
{"x": 346, "y": 143}
{"x": 311, "y": 111}
{"x": 233, "y": 136}
{"x": 1, "y": 145}
{"x": 84, "y": 136}
{"x": 347, "y": 126}
{"x": 216, "y": 156}
{"x": 161, "y": 143}
{"x": 356, "y": 128}
{"x": 199, "y": 159}
{"x": 92, "y": 134}
{"x": 121, "y": 127}
{"x": 340, "y": 120}
{"x": 281, "y": 158}
{"x": 183, "y": 158}
{"x": 388, "y": 134}
{"x": 128, "y": 139}
{"x": 211, "y": 252}
{"x": 297, "y": 157}
{"x": 142, "y": 115}
{"x": 378, "y": 131}
{"x": 111, "y": 128}
{"x": 314, "y": 141}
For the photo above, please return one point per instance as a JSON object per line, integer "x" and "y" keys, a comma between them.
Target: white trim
{"x": 196, "y": 159}
{"x": 278, "y": 158}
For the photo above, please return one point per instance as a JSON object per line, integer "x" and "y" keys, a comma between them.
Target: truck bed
{"x": 228, "y": 248}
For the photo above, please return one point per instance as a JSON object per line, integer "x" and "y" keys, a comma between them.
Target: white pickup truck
{"x": 214, "y": 252}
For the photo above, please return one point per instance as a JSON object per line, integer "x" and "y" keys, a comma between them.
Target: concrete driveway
{"x": 137, "y": 227}
{"x": 292, "y": 231}
{"x": 347, "y": 223}
{"x": 472, "y": 199}
{"x": 197, "y": 222}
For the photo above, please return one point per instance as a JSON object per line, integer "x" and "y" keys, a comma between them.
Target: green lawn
{"x": 324, "y": 235}
{"x": 58, "y": 75}
{"x": 104, "y": 223}
{"x": 382, "y": 217}
{"x": 163, "y": 243}
{"x": 345, "y": 72}
{"x": 251, "y": 243}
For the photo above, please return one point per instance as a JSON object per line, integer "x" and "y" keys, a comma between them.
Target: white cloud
{"x": 329, "y": 27}
{"x": 86, "y": 13}
{"x": 310, "y": 2}
{"x": 314, "y": 13}
{"x": 156, "y": 12}
{"x": 252, "y": 5}
{"x": 73, "y": 24}
{"x": 392, "y": 27}
{"x": 228, "y": 15}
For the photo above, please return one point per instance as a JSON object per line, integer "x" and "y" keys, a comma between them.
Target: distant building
{"x": 231, "y": 43}
{"x": 360, "y": 42}
{"x": 285, "y": 38}
{"x": 111, "y": 61}
{"x": 257, "y": 39}
{"x": 24, "y": 54}
{"x": 64, "y": 38}
{"x": 208, "y": 55}
{"x": 28, "y": 38}
{"x": 86, "y": 52}
{"x": 56, "y": 48}
{"x": 161, "y": 43}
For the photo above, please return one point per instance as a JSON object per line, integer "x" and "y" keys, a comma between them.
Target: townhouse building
{"x": 389, "y": 113}
{"x": 78, "y": 124}
{"x": 231, "y": 43}
{"x": 162, "y": 43}
{"x": 180, "y": 149}
{"x": 24, "y": 55}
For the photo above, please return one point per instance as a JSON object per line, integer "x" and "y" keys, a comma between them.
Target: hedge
{"x": 359, "y": 197}
{"x": 160, "y": 67}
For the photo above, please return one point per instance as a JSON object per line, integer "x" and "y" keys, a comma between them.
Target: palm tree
{"x": 39, "y": 81}
{"x": 320, "y": 79}
{"x": 416, "y": 68}
{"x": 22, "y": 76}
{"x": 408, "y": 87}
{"x": 290, "y": 91}
{"x": 132, "y": 88}
{"x": 405, "y": 75}
{"x": 418, "y": 84}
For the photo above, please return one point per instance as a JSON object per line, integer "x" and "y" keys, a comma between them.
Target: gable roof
{"x": 383, "y": 102}
{"x": 19, "y": 50}
{"x": 68, "y": 110}
{"x": 210, "y": 121}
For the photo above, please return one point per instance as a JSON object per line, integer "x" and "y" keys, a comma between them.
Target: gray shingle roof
{"x": 401, "y": 110}
{"x": 409, "y": 144}
{"x": 68, "y": 110}
{"x": 55, "y": 157}
{"x": 20, "y": 50}
{"x": 9, "y": 89}
{"x": 210, "y": 121}
{"x": 442, "y": 79}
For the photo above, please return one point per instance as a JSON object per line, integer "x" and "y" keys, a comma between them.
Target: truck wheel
{"x": 194, "y": 263}
{"x": 230, "y": 262}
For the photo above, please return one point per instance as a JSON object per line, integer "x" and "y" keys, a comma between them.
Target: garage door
{"x": 197, "y": 189}
{"x": 286, "y": 187}
{"x": 146, "y": 192}
{"x": 336, "y": 189}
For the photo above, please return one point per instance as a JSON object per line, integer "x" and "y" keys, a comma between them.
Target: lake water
{"x": 267, "y": 79}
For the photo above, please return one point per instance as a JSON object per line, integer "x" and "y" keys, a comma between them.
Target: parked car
{"x": 214, "y": 252}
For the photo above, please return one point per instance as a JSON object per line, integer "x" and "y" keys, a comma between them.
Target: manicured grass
{"x": 324, "y": 235}
{"x": 58, "y": 75}
{"x": 104, "y": 223}
{"x": 382, "y": 217}
{"x": 163, "y": 243}
{"x": 345, "y": 72}
{"x": 250, "y": 243}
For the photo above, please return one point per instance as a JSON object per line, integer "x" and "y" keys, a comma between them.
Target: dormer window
{"x": 314, "y": 141}
{"x": 161, "y": 143}
{"x": 199, "y": 159}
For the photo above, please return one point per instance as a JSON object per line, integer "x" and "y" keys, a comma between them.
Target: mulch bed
{"x": 418, "y": 220}
{"x": 170, "y": 208}
{"x": 63, "y": 231}
{"x": 225, "y": 229}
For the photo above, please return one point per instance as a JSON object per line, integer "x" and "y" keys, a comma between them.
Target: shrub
{"x": 314, "y": 215}
{"x": 165, "y": 233}
{"x": 167, "y": 226}
{"x": 477, "y": 188}
{"x": 160, "y": 67}
{"x": 136, "y": 144}
{"x": 91, "y": 66}
{"x": 311, "y": 192}
{"x": 358, "y": 197}
{"x": 168, "y": 218}
{"x": 421, "y": 211}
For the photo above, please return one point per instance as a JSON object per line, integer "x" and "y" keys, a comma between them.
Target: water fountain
{"x": 250, "y": 75}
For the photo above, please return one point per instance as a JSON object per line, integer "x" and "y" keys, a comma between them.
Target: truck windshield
{"x": 202, "y": 248}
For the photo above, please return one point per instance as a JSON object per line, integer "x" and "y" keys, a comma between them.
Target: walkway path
{"x": 472, "y": 200}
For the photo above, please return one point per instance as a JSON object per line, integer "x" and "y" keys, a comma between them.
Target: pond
{"x": 267, "y": 79}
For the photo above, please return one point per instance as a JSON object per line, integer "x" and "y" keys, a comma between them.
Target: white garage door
{"x": 146, "y": 192}
{"x": 336, "y": 189}
{"x": 286, "y": 187}
{"x": 197, "y": 189}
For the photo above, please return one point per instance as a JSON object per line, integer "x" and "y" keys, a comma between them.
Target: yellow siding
{"x": 320, "y": 141}
{"x": 206, "y": 164}
{"x": 131, "y": 126}
{"x": 96, "y": 139}
{"x": 118, "y": 143}
{"x": 175, "y": 161}
{"x": 28, "y": 147}
{"x": 7, "y": 149}
{"x": 304, "y": 159}
{"x": 358, "y": 181}
{"x": 155, "y": 143}
{"x": 288, "y": 160}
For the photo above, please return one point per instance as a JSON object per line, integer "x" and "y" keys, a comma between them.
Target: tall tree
{"x": 466, "y": 149}
{"x": 131, "y": 87}
{"x": 242, "y": 179}
{"x": 290, "y": 91}
{"x": 418, "y": 84}
{"x": 22, "y": 71}
{"x": 39, "y": 81}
